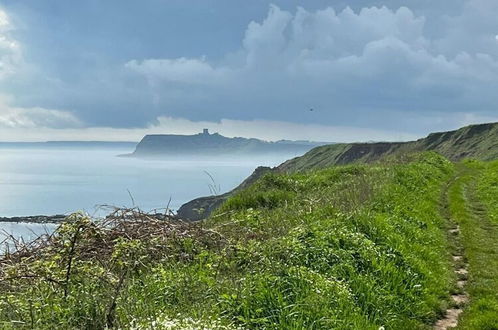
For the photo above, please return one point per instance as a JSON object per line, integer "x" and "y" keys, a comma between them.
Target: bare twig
{"x": 214, "y": 188}
{"x": 131, "y": 197}
{"x": 70, "y": 260}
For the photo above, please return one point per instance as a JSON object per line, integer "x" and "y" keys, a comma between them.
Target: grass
{"x": 474, "y": 141}
{"x": 349, "y": 247}
{"x": 474, "y": 205}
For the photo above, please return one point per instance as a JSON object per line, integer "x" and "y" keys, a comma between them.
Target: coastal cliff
{"x": 473, "y": 141}
{"x": 206, "y": 144}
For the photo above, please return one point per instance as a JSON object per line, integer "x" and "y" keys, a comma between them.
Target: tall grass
{"x": 474, "y": 205}
{"x": 352, "y": 247}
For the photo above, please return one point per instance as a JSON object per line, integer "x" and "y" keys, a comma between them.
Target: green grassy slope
{"x": 350, "y": 247}
{"x": 474, "y": 206}
{"x": 475, "y": 141}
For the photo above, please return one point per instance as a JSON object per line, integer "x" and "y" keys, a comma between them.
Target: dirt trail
{"x": 460, "y": 297}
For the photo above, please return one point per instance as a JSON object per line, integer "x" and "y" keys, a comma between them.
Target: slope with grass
{"x": 348, "y": 247}
{"x": 473, "y": 200}
{"x": 474, "y": 141}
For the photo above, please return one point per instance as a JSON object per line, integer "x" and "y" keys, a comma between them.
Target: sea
{"x": 38, "y": 179}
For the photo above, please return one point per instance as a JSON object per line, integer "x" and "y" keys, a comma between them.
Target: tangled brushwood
{"x": 108, "y": 251}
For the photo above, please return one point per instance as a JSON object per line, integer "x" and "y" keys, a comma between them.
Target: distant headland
{"x": 207, "y": 144}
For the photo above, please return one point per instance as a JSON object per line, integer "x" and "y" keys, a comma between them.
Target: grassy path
{"x": 478, "y": 243}
{"x": 459, "y": 295}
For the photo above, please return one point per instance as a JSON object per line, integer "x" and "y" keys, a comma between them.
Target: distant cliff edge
{"x": 206, "y": 144}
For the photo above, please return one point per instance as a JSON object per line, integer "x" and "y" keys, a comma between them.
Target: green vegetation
{"x": 351, "y": 247}
{"x": 474, "y": 141}
{"x": 306, "y": 246}
{"x": 474, "y": 205}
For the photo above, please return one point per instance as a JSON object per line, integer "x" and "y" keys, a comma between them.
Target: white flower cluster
{"x": 164, "y": 322}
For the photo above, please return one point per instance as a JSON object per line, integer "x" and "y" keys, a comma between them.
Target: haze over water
{"x": 54, "y": 181}
{"x": 49, "y": 180}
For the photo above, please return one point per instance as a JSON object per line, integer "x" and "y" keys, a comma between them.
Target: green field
{"x": 342, "y": 247}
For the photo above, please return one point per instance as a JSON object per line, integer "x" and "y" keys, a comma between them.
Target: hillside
{"x": 206, "y": 144}
{"x": 406, "y": 243}
{"x": 475, "y": 141}
{"x": 319, "y": 250}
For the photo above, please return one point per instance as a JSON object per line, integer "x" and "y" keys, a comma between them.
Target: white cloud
{"x": 10, "y": 54}
{"x": 33, "y": 118}
{"x": 12, "y": 117}
{"x": 348, "y": 64}
{"x": 473, "y": 31}
{"x": 181, "y": 70}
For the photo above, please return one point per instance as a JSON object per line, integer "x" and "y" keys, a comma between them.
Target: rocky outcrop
{"x": 201, "y": 208}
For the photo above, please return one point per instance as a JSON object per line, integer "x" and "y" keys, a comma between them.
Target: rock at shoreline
{"x": 201, "y": 208}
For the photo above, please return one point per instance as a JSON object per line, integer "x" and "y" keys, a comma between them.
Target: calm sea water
{"x": 21, "y": 231}
{"x": 54, "y": 181}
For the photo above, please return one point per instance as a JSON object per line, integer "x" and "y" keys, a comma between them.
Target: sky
{"x": 370, "y": 70}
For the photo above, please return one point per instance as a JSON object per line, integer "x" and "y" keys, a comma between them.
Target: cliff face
{"x": 341, "y": 154}
{"x": 214, "y": 144}
{"x": 475, "y": 141}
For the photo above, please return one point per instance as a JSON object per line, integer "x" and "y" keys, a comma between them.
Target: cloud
{"x": 398, "y": 69}
{"x": 472, "y": 31}
{"x": 181, "y": 70}
{"x": 33, "y": 118}
{"x": 267, "y": 130}
{"x": 10, "y": 54}
{"x": 12, "y": 117}
{"x": 350, "y": 65}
